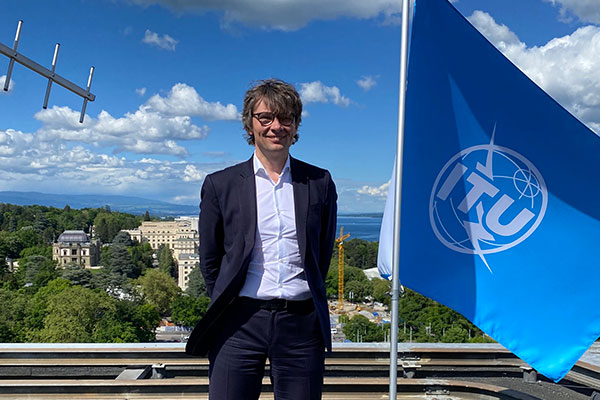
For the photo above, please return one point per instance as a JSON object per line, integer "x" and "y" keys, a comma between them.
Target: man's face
{"x": 276, "y": 137}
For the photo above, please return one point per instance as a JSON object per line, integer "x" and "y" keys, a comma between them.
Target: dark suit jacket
{"x": 227, "y": 229}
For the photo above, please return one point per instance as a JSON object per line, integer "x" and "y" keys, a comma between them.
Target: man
{"x": 267, "y": 228}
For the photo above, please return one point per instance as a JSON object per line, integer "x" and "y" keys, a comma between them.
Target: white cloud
{"x": 66, "y": 156}
{"x": 567, "y": 68}
{"x": 317, "y": 92}
{"x": 189, "y": 199}
{"x": 377, "y": 191}
{"x": 585, "y": 10}
{"x": 502, "y": 37}
{"x": 286, "y": 15}
{"x": 141, "y": 91}
{"x": 154, "y": 128}
{"x": 184, "y": 100}
{"x": 14, "y": 142}
{"x": 143, "y": 132}
{"x": 366, "y": 83}
{"x": 3, "y": 81}
{"x": 52, "y": 167}
{"x": 164, "y": 42}
{"x": 192, "y": 174}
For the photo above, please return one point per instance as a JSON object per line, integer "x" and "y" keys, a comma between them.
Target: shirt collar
{"x": 259, "y": 167}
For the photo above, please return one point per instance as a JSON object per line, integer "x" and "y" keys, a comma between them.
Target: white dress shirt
{"x": 275, "y": 269}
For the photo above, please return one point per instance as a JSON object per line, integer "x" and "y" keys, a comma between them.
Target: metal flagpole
{"x": 397, "y": 202}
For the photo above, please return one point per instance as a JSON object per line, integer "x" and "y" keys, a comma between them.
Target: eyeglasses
{"x": 267, "y": 118}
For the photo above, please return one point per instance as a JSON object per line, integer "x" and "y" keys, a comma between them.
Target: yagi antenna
{"x": 47, "y": 73}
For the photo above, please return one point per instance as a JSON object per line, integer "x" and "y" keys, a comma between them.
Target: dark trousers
{"x": 290, "y": 339}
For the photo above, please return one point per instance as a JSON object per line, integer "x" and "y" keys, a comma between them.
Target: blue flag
{"x": 501, "y": 196}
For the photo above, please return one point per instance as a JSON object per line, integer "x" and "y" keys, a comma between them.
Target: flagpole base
{"x": 529, "y": 375}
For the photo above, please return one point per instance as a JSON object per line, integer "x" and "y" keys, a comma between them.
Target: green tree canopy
{"x": 11, "y": 244}
{"x": 122, "y": 238}
{"x": 36, "y": 271}
{"x": 141, "y": 257}
{"x": 39, "y": 250}
{"x": 166, "y": 263}
{"x": 358, "y": 291}
{"x": 196, "y": 285}
{"x": 159, "y": 289}
{"x": 360, "y": 329}
{"x": 77, "y": 275}
{"x": 73, "y": 314}
{"x": 37, "y": 310}
{"x": 117, "y": 260}
{"x": 13, "y": 306}
{"x": 129, "y": 323}
{"x": 360, "y": 253}
{"x": 108, "y": 224}
{"x": 381, "y": 291}
{"x": 350, "y": 274}
{"x": 188, "y": 310}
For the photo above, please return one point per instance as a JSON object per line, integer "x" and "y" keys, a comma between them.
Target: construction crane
{"x": 340, "y": 242}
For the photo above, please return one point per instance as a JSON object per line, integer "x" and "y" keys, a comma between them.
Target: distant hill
{"x": 128, "y": 204}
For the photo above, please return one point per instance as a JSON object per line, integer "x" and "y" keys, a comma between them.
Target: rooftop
{"x": 73, "y": 237}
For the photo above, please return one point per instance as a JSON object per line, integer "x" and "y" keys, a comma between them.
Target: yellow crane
{"x": 340, "y": 242}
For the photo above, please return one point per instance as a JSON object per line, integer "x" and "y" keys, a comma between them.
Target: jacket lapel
{"x": 300, "y": 184}
{"x": 247, "y": 206}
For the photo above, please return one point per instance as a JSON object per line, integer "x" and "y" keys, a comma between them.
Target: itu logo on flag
{"x": 487, "y": 199}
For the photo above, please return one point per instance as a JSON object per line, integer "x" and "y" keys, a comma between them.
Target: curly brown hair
{"x": 281, "y": 97}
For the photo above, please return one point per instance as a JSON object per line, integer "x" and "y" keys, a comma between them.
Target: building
{"x": 159, "y": 232}
{"x": 180, "y": 236}
{"x": 135, "y": 234}
{"x": 76, "y": 247}
{"x": 185, "y": 265}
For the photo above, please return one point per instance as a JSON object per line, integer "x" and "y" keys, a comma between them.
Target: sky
{"x": 170, "y": 77}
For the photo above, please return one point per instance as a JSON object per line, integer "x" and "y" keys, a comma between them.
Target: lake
{"x": 364, "y": 227}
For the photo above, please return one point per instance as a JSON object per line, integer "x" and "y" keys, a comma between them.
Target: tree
{"x": 360, "y": 329}
{"x": 350, "y": 274}
{"x": 188, "y": 310}
{"x": 4, "y": 272}
{"x": 147, "y": 216}
{"x": 166, "y": 263}
{"x": 41, "y": 223}
{"x": 37, "y": 310}
{"x": 101, "y": 228}
{"x": 146, "y": 319}
{"x": 359, "y": 290}
{"x": 11, "y": 244}
{"x": 122, "y": 238}
{"x": 130, "y": 322}
{"x": 73, "y": 315}
{"x": 159, "y": 289}
{"x": 196, "y": 285}
{"x": 37, "y": 271}
{"x": 112, "y": 283}
{"x": 29, "y": 237}
{"x": 77, "y": 275}
{"x": 381, "y": 291}
{"x": 12, "y": 315}
{"x": 109, "y": 224}
{"x": 141, "y": 257}
{"x": 455, "y": 334}
{"x": 39, "y": 250}
{"x": 360, "y": 253}
{"x": 49, "y": 235}
{"x": 117, "y": 260}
